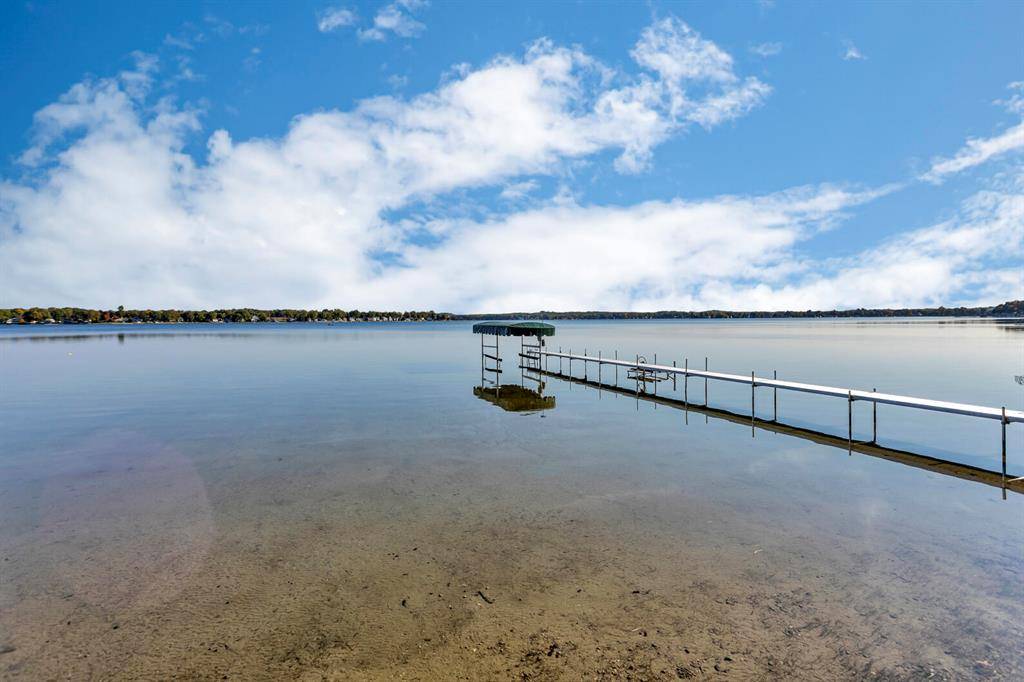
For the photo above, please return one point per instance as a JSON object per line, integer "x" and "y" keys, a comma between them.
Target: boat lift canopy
{"x": 537, "y": 329}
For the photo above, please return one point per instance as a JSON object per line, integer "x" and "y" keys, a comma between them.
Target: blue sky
{"x": 636, "y": 156}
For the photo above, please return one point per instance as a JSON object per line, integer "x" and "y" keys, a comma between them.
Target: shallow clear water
{"x": 255, "y": 500}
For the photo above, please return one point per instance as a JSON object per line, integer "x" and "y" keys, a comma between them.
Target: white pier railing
{"x": 643, "y": 372}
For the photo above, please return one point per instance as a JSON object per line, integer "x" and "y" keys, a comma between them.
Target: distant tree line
{"x": 1008, "y": 309}
{"x": 121, "y": 315}
{"x": 88, "y": 315}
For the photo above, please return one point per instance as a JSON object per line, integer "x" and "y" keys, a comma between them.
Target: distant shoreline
{"x": 69, "y": 315}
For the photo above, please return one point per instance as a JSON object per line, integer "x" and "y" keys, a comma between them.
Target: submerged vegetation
{"x": 121, "y": 315}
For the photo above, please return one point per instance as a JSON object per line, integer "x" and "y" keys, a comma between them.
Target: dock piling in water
{"x": 874, "y": 419}
{"x": 753, "y": 411}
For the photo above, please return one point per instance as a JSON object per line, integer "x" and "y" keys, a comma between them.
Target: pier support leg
{"x": 637, "y": 376}
{"x": 686, "y": 382}
{"x": 686, "y": 389}
{"x": 752, "y": 408}
{"x": 705, "y": 383}
{"x": 849, "y": 418}
{"x": 705, "y": 390}
{"x": 1003, "y": 424}
{"x": 874, "y": 420}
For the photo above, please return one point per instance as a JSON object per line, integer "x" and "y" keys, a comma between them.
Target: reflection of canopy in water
{"x": 514, "y": 398}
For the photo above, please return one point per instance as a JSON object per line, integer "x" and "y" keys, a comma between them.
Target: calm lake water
{"x": 312, "y": 501}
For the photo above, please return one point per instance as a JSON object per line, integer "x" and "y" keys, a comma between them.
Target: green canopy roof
{"x": 514, "y": 328}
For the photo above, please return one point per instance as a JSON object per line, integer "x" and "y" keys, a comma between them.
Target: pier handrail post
{"x": 616, "y": 369}
{"x": 598, "y": 366}
{"x": 655, "y": 380}
{"x": 674, "y": 376}
{"x": 585, "y": 363}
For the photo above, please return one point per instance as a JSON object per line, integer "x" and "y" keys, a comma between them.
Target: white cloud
{"x": 180, "y": 42}
{"x": 252, "y": 60}
{"x": 518, "y": 190}
{"x": 333, "y": 18}
{"x": 566, "y": 256}
{"x": 116, "y": 211}
{"x": 766, "y": 49}
{"x": 976, "y": 151}
{"x": 852, "y": 52}
{"x": 395, "y": 18}
{"x": 1015, "y": 102}
{"x": 971, "y": 259}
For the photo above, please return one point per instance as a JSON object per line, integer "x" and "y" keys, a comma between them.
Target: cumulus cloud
{"x": 333, "y": 18}
{"x": 567, "y": 256}
{"x": 972, "y": 258}
{"x": 114, "y": 208}
{"x": 396, "y": 18}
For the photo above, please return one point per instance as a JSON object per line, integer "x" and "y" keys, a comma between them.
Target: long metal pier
{"x": 643, "y": 373}
{"x": 937, "y": 465}
{"x": 1007, "y": 416}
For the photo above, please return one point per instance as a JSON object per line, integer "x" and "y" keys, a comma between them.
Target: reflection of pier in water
{"x": 533, "y": 365}
{"x": 646, "y": 377}
{"x": 937, "y": 465}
